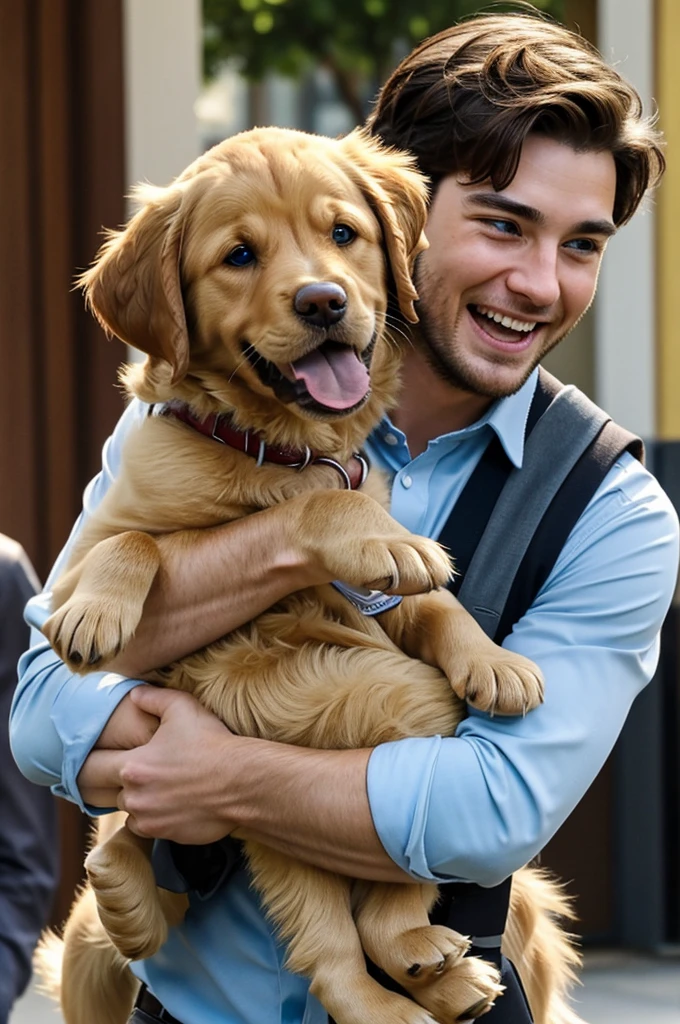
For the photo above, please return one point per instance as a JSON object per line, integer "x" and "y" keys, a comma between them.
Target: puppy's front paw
{"x": 86, "y": 633}
{"x": 501, "y": 682}
{"x": 404, "y": 565}
{"x": 359, "y": 543}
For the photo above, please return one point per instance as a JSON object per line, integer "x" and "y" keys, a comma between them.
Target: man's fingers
{"x": 102, "y": 798}
{"x": 131, "y": 823}
{"x": 102, "y": 771}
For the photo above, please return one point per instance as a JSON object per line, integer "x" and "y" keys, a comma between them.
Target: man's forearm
{"x": 211, "y": 582}
{"x": 318, "y": 810}
{"x": 311, "y": 804}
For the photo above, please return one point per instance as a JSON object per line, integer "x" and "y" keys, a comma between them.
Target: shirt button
{"x": 406, "y": 481}
{"x": 391, "y": 439}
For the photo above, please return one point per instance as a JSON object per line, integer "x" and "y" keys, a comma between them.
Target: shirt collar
{"x": 507, "y": 417}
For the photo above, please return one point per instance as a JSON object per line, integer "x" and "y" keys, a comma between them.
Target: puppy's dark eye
{"x": 343, "y": 234}
{"x": 241, "y": 256}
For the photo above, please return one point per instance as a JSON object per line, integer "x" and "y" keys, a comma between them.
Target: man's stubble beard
{"x": 442, "y": 356}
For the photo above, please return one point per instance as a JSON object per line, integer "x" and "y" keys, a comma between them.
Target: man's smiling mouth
{"x": 502, "y": 326}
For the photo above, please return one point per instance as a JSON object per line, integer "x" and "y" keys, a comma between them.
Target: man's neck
{"x": 429, "y": 407}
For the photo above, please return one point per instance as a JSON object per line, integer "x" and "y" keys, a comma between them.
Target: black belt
{"x": 151, "y": 1009}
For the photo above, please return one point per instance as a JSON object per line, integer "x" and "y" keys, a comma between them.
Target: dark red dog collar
{"x": 221, "y": 428}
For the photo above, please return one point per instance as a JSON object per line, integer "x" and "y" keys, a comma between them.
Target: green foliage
{"x": 357, "y": 40}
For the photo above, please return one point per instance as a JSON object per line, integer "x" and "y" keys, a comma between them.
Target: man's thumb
{"x": 155, "y": 700}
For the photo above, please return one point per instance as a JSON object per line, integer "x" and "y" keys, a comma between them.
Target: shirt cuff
{"x": 406, "y": 767}
{"x": 79, "y": 716}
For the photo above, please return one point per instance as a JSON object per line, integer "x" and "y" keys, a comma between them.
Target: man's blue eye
{"x": 241, "y": 256}
{"x": 586, "y": 245}
{"x": 343, "y": 234}
{"x": 505, "y": 227}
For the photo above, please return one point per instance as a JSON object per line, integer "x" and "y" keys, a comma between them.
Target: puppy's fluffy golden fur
{"x": 207, "y": 280}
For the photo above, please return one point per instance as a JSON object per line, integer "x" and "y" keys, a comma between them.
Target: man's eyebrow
{"x": 495, "y": 201}
{"x": 595, "y": 227}
{"x": 504, "y": 204}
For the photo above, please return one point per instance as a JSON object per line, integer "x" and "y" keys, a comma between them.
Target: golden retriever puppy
{"x": 257, "y": 284}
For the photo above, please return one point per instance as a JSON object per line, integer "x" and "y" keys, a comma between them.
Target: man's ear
{"x": 134, "y": 287}
{"x": 398, "y": 195}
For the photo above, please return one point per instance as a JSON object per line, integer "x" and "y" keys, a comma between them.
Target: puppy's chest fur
{"x": 260, "y": 680}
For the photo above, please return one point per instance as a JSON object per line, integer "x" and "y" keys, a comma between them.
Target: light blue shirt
{"x": 474, "y": 807}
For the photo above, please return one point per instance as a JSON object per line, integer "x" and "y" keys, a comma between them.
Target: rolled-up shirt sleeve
{"x": 56, "y": 716}
{"x": 479, "y": 805}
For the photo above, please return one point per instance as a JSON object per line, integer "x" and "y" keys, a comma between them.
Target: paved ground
{"x": 627, "y": 989}
{"x": 617, "y": 989}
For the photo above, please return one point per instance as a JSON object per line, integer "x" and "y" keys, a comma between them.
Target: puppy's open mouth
{"x": 332, "y": 379}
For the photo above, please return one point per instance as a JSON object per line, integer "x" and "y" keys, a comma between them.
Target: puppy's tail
{"x": 544, "y": 954}
{"x": 84, "y": 972}
{"x": 47, "y": 961}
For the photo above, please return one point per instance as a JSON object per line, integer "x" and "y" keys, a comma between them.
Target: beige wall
{"x": 668, "y": 283}
{"x": 162, "y": 74}
{"x": 625, "y": 351}
{"x": 162, "y": 54}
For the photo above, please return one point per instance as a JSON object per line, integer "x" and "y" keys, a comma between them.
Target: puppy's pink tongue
{"x": 334, "y": 376}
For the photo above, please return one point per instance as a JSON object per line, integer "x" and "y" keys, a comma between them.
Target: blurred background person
{"x": 28, "y": 821}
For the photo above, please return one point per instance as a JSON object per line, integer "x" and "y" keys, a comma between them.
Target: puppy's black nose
{"x": 321, "y": 304}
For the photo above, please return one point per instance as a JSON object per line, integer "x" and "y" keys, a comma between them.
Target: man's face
{"x": 508, "y": 274}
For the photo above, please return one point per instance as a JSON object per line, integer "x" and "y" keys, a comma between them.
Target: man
{"x": 28, "y": 824}
{"x": 537, "y": 152}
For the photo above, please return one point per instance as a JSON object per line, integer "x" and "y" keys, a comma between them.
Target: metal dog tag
{"x": 368, "y": 602}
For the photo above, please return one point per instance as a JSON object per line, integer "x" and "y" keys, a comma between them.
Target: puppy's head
{"x": 262, "y": 273}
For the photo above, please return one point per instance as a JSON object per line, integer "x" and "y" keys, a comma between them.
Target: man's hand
{"x": 128, "y": 727}
{"x": 169, "y": 785}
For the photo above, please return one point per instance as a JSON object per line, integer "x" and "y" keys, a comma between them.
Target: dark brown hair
{"x": 464, "y": 101}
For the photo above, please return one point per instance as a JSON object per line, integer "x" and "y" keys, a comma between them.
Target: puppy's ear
{"x": 134, "y": 286}
{"x": 398, "y": 195}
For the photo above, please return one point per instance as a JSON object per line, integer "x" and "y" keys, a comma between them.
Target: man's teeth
{"x": 506, "y": 321}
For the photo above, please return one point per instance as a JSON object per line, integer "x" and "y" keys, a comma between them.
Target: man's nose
{"x": 536, "y": 277}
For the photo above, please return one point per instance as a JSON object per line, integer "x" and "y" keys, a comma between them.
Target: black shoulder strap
{"x": 520, "y": 524}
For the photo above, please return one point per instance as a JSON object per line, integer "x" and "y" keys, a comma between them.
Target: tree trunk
{"x": 346, "y": 85}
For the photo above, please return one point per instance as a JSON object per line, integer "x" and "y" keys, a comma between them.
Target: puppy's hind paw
{"x": 465, "y": 992}
{"x": 127, "y": 903}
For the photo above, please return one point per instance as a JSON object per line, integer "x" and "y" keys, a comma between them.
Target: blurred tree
{"x": 357, "y": 41}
